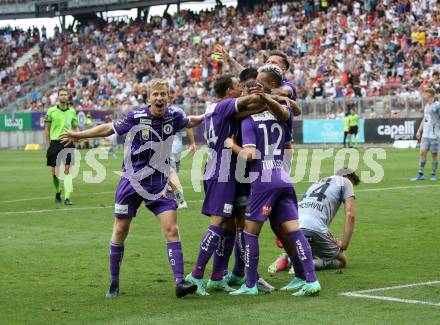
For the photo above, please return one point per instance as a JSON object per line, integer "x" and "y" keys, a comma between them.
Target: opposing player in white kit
{"x": 428, "y": 134}
{"x": 318, "y": 207}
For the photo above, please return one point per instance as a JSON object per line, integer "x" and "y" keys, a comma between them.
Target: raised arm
{"x": 237, "y": 67}
{"x": 350, "y": 213}
{"x": 102, "y": 130}
{"x": 195, "y": 120}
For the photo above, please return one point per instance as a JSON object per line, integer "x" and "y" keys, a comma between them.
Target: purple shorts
{"x": 279, "y": 205}
{"x": 242, "y": 191}
{"x": 219, "y": 198}
{"x": 127, "y": 201}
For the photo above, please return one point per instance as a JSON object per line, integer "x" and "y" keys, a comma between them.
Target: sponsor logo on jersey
{"x": 227, "y": 208}
{"x": 403, "y": 131}
{"x": 145, "y": 121}
{"x": 139, "y": 115}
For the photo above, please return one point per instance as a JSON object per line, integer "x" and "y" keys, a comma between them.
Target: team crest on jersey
{"x": 69, "y": 122}
{"x": 265, "y": 210}
{"x": 145, "y": 132}
{"x": 167, "y": 129}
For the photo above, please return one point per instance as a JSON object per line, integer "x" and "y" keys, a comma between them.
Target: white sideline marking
{"x": 395, "y": 188}
{"x": 55, "y": 210}
{"x": 364, "y": 294}
{"x": 112, "y": 192}
{"x": 51, "y": 197}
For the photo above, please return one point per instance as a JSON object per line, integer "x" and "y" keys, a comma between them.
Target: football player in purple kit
{"x": 276, "y": 57}
{"x": 150, "y": 132}
{"x": 272, "y": 194}
{"x": 219, "y": 183}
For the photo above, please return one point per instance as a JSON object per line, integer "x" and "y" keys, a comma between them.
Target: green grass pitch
{"x": 54, "y": 259}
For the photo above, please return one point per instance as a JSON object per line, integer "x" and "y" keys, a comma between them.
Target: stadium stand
{"x": 349, "y": 49}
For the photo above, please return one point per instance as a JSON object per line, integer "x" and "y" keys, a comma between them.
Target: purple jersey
{"x": 151, "y": 141}
{"x": 269, "y": 136}
{"x": 218, "y": 127}
{"x": 288, "y": 83}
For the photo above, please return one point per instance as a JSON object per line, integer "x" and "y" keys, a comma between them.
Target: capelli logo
{"x": 403, "y": 131}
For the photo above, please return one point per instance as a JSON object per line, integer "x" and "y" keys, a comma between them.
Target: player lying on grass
{"x": 317, "y": 209}
{"x": 149, "y": 134}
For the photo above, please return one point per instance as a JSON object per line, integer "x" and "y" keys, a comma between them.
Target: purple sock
{"x": 297, "y": 266}
{"x": 229, "y": 246}
{"x": 221, "y": 256}
{"x": 304, "y": 253}
{"x": 252, "y": 255}
{"x": 208, "y": 244}
{"x": 116, "y": 255}
{"x": 239, "y": 253}
{"x": 175, "y": 258}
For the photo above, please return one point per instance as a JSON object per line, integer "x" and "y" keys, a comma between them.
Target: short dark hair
{"x": 281, "y": 55}
{"x": 222, "y": 84}
{"x": 247, "y": 74}
{"x": 62, "y": 89}
{"x": 350, "y": 174}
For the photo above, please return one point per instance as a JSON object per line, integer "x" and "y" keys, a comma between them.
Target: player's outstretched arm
{"x": 247, "y": 153}
{"x": 195, "y": 120}
{"x": 284, "y": 91}
{"x": 102, "y": 130}
{"x": 279, "y": 111}
{"x": 350, "y": 213}
{"x": 192, "y": 141}
{"x": 291, "y": 104}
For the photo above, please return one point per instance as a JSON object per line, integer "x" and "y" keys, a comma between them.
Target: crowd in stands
{"x": 338, "y": 49}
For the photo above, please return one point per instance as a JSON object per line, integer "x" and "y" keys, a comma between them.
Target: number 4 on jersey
{"x": 319, "y": 192}
{"x": 211, "y": 138}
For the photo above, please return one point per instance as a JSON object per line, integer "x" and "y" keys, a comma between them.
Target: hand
{"x": 339, "y": 244}
{"x": 256, "y": 89}
{"x": 220, "y": 51}
{"x": 192, "y": 148}
{"x": 67, "y": 137}
{"x": 229, "y": 142}
{"x": 418, "y": 135}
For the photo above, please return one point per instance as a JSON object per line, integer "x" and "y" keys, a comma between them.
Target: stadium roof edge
{"x": 57, "y": 8}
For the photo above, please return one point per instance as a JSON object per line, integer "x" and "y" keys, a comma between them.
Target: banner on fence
{"x": 328, "y": 131}
{"x": 15, "y": 122}
{"x": 388, "y": 130}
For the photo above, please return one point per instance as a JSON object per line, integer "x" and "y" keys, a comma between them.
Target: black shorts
{"x": 55, "y": 148}
{"x": 353, "y": 130}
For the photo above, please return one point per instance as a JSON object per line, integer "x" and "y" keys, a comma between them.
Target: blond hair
{"x": 155, "y": 83}
{"x": 430, "y": 91}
